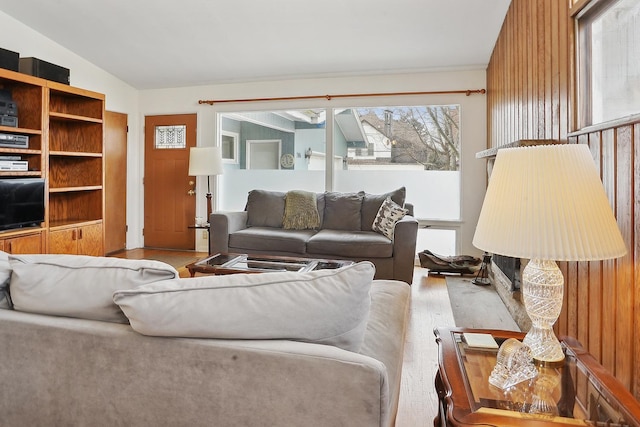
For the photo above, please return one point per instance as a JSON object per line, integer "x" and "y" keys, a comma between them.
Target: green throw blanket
{"x": 300, "y": 211}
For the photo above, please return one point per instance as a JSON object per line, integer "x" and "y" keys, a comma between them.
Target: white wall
{"x": 185, "y": 100}
{"x": 136, "y": 104}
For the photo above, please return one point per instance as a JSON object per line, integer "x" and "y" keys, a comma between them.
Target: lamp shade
{"x": 205, "y": 161}
{"x": 548, "y": 202}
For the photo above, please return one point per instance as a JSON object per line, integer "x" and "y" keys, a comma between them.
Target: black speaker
{"x": 9, "y": 60}
{"x": 46, "y": 70}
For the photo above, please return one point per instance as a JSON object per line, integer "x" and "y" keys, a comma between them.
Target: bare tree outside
{"x": 424, "y": 135}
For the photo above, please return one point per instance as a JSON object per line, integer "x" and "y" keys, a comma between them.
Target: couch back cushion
{"x": 325, "y": 306}
{"x": 371, "y": 205}
{"x": 342, "y": 211}
{"x": 79, "y": 286}
{"x": 265, "y": 208}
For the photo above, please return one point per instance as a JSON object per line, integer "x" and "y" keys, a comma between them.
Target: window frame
{"x": 234, "y": 159}
{"x": 585, "y": 13}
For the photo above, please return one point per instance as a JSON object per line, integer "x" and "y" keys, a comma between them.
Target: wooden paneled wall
{"x": 529, "y": 76}
{"x": 530, "y": 95}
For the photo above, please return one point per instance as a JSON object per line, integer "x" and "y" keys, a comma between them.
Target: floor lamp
{"x": 205, "y": 161}
{"x": 546, "y": 203}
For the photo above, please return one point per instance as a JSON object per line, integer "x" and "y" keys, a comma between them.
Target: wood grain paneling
{"x": 530, "y": 95}
{"x": 528, "y": 83}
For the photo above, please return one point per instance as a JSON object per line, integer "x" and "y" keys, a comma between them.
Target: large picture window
{"x": 609, "y": 60}
{"x": 372, "y": 149}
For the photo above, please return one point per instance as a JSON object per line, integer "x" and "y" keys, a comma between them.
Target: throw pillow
{"x": 5, "y": 277}
{"x": 388, "y": 215}
{"x": 79, "y": 286}
{"x": 300, "y": 211}
{"x": 342, "y": 210}
{"x": 371, "y": 205}
{"x": 265, "y": 208}
{"x": 325, "y": 306}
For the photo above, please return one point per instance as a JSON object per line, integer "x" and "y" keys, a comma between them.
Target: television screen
{"x": 21, "y": 202}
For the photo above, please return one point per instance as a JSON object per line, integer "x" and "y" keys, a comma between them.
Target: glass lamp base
{"x": 542, "y": 289}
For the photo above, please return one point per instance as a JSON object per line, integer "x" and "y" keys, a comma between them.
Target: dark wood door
{"x": 169, "y": 208}
{"x": 115, "y": 183}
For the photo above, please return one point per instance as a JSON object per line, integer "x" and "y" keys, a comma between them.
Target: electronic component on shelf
{"x": 8, "y": 121}
{"x": 13, "y": 141}
{"x": 43, "y": 69}
{"x": 9, "y": 59}
{"x": 8, "y": 109}
{"x": 14, "y": 165}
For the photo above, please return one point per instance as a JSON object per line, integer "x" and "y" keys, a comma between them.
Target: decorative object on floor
{"x": 513, "y": 365}
{"x": 477, "y": 306}
{"x": 482, "y": 277}
{"x": 205, "y": 161}
{"x": 547, "y": 203}
{"x": 461, "y": 264}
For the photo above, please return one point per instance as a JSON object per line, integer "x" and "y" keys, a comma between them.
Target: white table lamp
{"x": 546, "y": 203}
{"x": 205, "y": 161}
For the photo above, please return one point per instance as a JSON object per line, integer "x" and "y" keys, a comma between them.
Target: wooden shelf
{"x": 74, "y": 189}
{"x": 60, "y": 225}
{"x": 9, "y": 129}
{"x": 72, "y": 117}
{"x": 7, "y": 150}
{"x": 73, "y": 154}
{"x": 37, "y": 174}
{"x": 491, "y": 152}
{"x": 65, "y": 126}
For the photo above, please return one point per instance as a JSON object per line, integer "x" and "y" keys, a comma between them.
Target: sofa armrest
{"x": 404, "y": 248}
{"x": 222, "y": 224}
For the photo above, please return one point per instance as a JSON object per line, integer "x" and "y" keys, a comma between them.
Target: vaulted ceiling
{"x": 167, "y": 43}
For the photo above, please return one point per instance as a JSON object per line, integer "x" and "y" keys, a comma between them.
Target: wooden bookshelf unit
{"x": 66, "y": 148}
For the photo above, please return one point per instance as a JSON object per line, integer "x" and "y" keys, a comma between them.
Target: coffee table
{"x": 582, "y": 391}
{"x": 231, "y": 263}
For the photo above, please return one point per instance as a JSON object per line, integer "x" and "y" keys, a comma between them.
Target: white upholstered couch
{"x": 75, "y": 361}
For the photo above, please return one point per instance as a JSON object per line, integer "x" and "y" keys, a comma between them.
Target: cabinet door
{"x": 31, "y": 244}
{"x": 63, "y": 241}
{"x": 90, "y": 240}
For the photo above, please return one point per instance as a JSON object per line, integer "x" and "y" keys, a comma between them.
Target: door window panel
{"x": 171, "y": 137}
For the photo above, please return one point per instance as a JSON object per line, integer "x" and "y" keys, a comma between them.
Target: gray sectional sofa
{"x": 344, "y": 231}
{"x": 322, "y": 348}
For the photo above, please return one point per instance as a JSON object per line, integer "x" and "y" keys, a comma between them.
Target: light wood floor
{"x": 430, "y": 308}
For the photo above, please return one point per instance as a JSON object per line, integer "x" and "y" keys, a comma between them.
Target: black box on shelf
{"x": 9, "y": 60}
{"x": 43, "y": 69}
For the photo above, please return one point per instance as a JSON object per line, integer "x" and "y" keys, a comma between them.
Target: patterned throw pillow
{"x": 388, "y": 215}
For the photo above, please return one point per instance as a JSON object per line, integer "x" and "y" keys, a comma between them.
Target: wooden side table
{"x": 581, "y": 390}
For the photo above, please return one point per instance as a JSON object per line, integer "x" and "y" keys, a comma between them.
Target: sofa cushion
{"x": 342, "y": 210}
{"x": 371, "y": 205}
{"x": 258, "y": 239}
{"x": 265, "y": 208}
{"x": 5, "y": 276}
{"x": 351, "y": 244}
{"x": 325, "y": 306}
{"x": 300, "y": 211}
{"x": 388, "y": 215}
{"x": 79, "y": 286}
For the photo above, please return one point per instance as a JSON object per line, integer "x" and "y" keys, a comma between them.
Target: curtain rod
{"x": 330, "y": 97}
